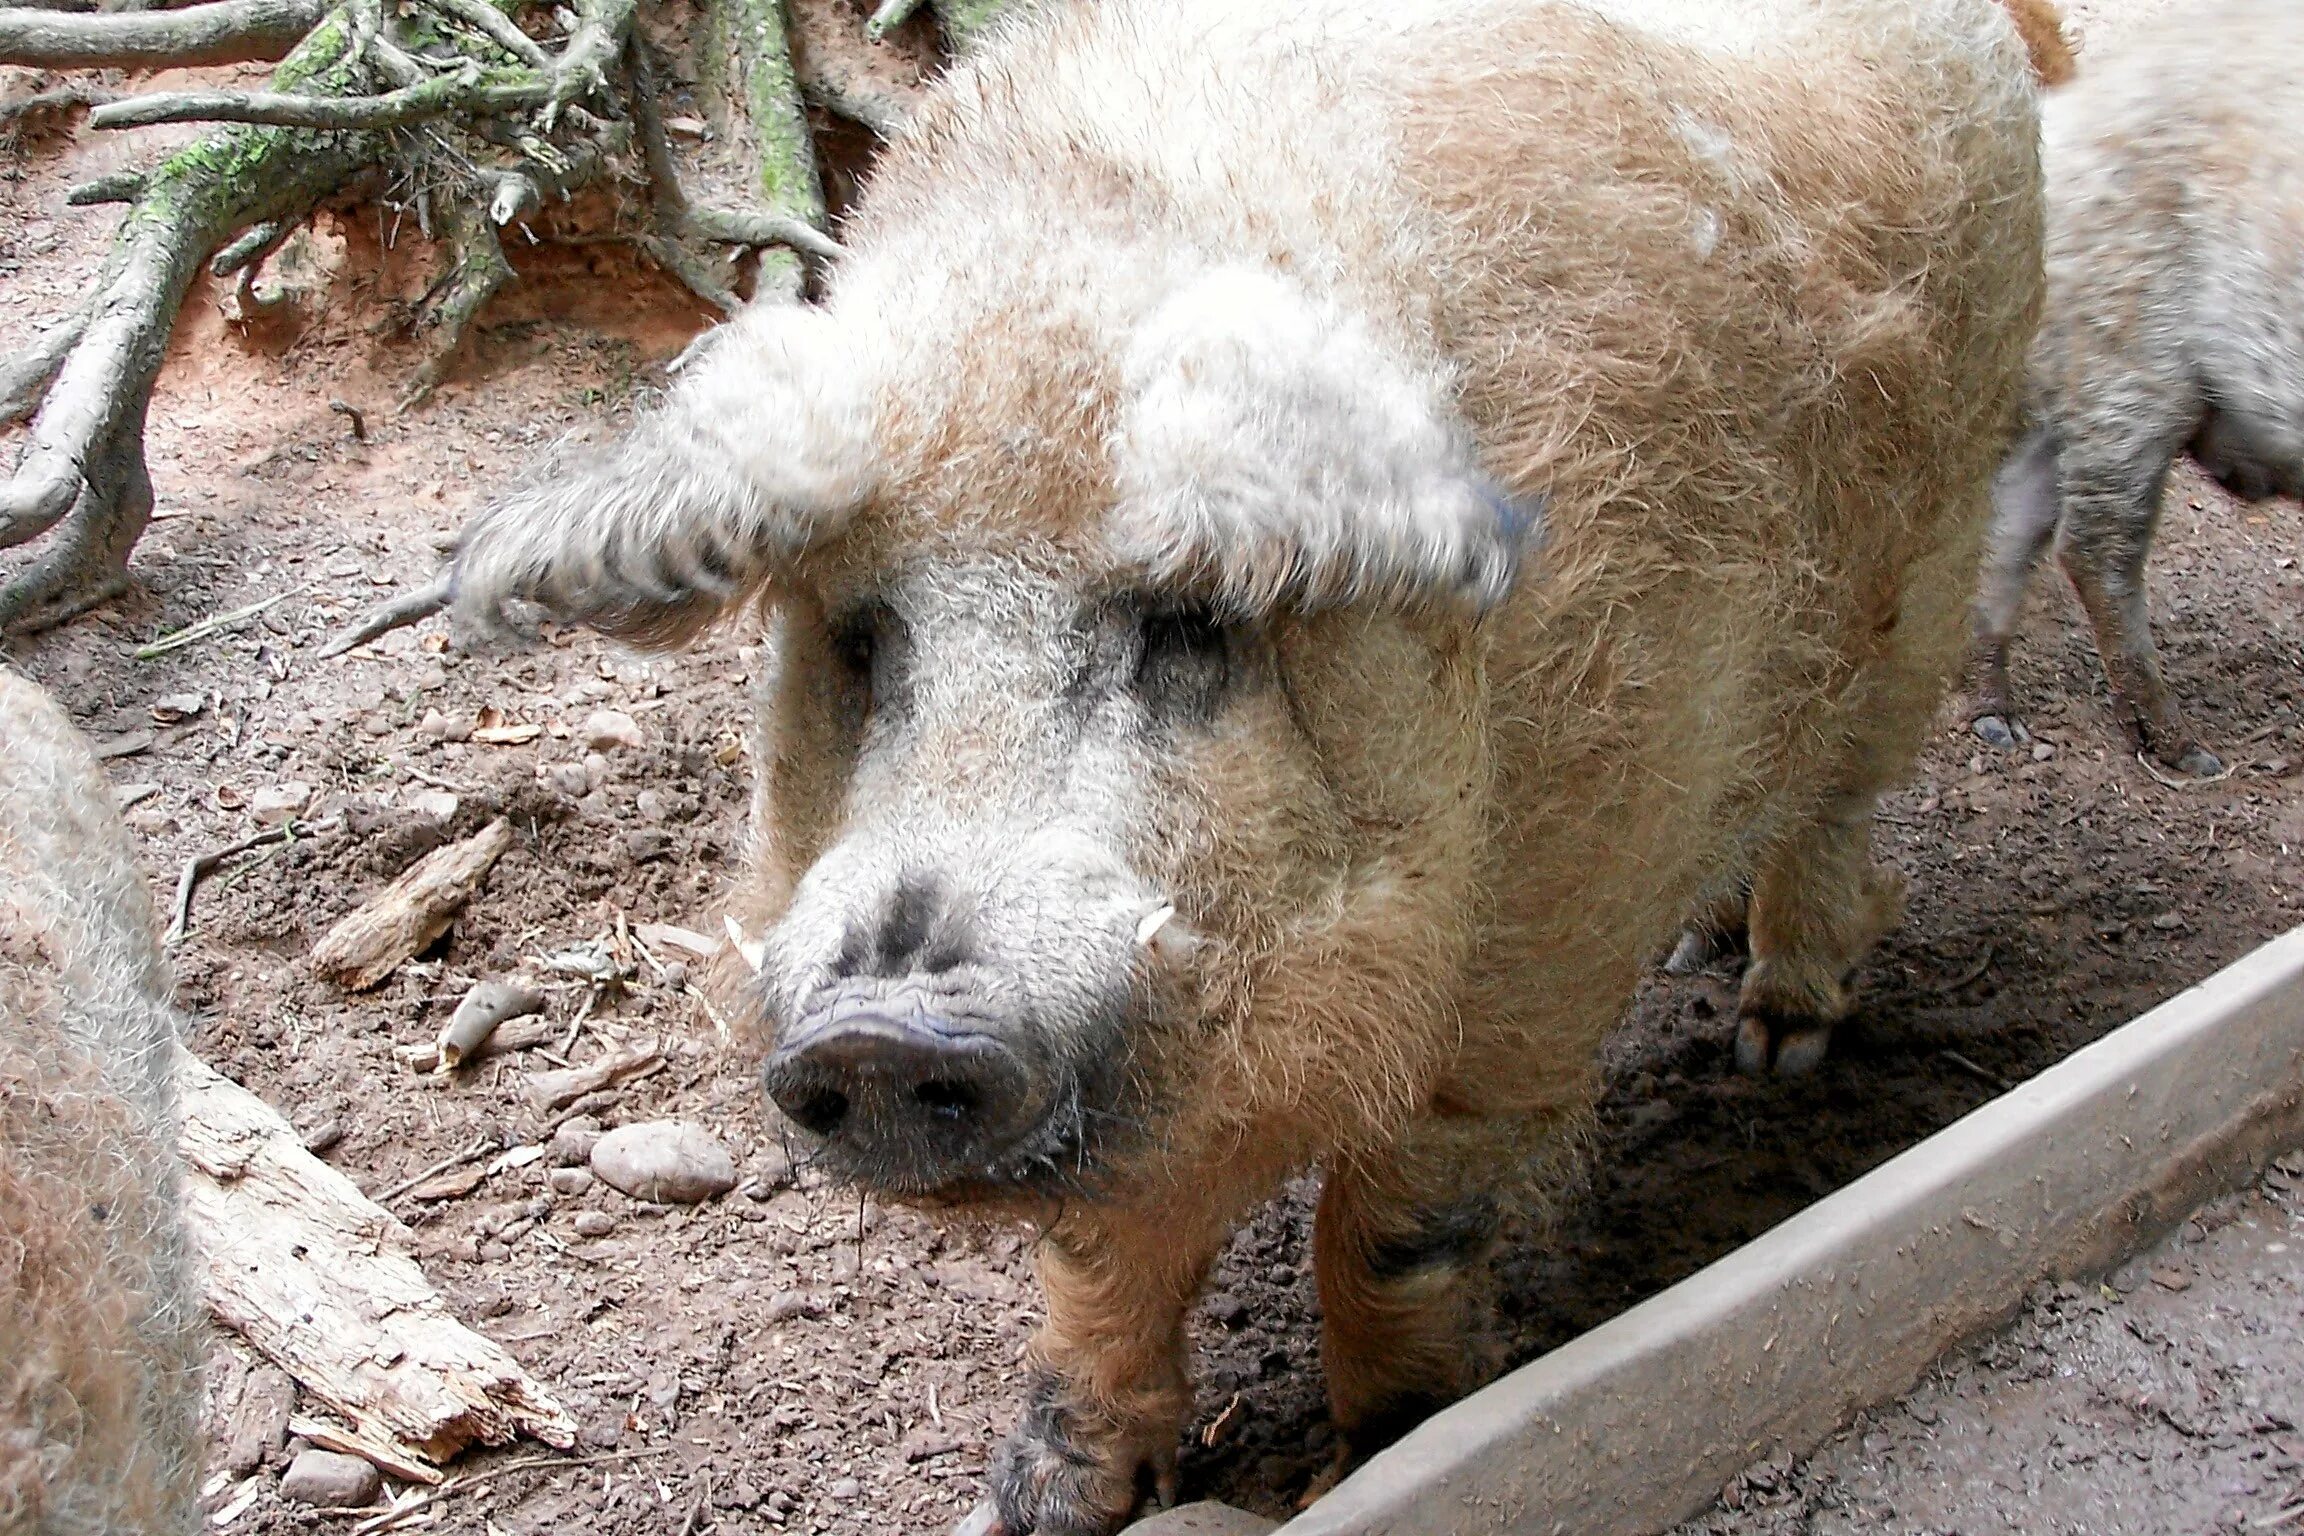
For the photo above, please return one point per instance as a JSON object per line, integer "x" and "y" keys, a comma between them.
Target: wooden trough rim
{"x": 1635, "y": 1426}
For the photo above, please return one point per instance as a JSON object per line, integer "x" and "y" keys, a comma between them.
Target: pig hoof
{"x": 983, "y": 1520}
{"x": 1786, "y": 1046}
{"x": 1695, "y": 951}
{"x": 1993, "y": 731}
{"x": 1061, "y": 1472}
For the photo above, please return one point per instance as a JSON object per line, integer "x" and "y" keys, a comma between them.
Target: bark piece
{"x": 552, "y": 1090}
{"x": 411, "y": 912}
{"x": 323, "y": 1281}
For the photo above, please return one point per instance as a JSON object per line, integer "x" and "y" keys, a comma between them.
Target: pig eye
{"x": 1184, "y": 661}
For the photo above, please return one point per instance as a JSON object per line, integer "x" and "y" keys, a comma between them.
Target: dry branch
{"x": 221, "y": 32}
{"x": 463, "y": 95}
{"x": 322, "y": 1281}
{"x": 487, "y": 1005}
{"x": 369, "y": 944}
{"x": 555, "y": 1090}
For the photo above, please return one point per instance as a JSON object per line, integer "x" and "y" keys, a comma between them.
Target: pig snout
{"x": 900, "y": 1071}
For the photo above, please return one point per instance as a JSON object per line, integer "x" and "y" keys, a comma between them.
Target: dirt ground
{"x": 2165, "y": 1398}
{"x": 786, "y": 1358}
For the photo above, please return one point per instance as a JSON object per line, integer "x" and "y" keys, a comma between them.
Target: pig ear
{"x": 762, "y": 447}
{"x": 1272, "y": 450}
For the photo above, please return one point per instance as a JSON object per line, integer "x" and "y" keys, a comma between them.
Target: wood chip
{"x": 553, "y": 1090}
{"x": 404, "y": 917}
{"x": 323, "y": 1281}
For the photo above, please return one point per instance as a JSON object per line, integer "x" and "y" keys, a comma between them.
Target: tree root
{"x": 37, "y": 112}
{"x": 475, "y": 123}
{"x": 84, "y": 463}
{"x": 219, "y": 32}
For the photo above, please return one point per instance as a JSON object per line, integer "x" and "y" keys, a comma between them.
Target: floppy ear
{"x": 1271, "y": 449}
{"x": 763, "y": 446}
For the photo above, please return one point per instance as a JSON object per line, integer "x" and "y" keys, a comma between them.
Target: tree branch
{"x": 464, "y": 94}
{"x": 220, "y": 32}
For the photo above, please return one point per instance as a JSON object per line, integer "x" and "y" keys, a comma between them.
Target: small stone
{"x": 652, "y": 805}
{"x": 323, "y": 1136}
{"x": 279, "y": 803}
{"x": 605, "y": 730}
{"x": 646, "y": 843}
{"x": 434, "y": 724}
{"x": 788, "y": 1304}
{"x": 330, "y": 1481}
{"x": 438, "y": 804}
{"x": 2168, "y": 922}
{"x": 2042, "y": 751}
{"x": 128, "y": 796}
{"x": 568, "y": 779}
{"x": 570, "y": 1181}
{"x": 594, "y": 1223}
{"x": 2171, "y": 1279}
{"x": 457, "y": 728}
{"x": 572, "y": 1144}
{"x": 595, "y": 771}
{"x": 601, "y": 1434}
{"x": 152, "y": 821}
{"x": 664, "y": 1160}
{"x": 1228, "y": 1309}
{"x": 172, "y": 707}
{"x": 846, "y": 1489}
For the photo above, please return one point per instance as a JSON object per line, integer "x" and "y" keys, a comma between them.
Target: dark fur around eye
{"x": 1184, "y": 662}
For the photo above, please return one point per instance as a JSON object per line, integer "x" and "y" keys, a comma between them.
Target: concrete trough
{"x": 1636, "y": 1425}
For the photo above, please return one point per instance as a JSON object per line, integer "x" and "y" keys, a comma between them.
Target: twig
{"x": 499, "y": 29}
{"x": 1983, "y": 964}
{"x": 209, "y": 626}
{"x": 201, "y": 865}
{"x": 352, "y": 415}
{"x": 2173, "y": 782}
{"x": 385, "y": 1522}
{"x": 408, "y": 608}
{"x": 118, "y": 187}
{"x": 2278, "y": 1518}
{"x": 891, "y": 15}
{"x": 471, "y": 1154}
{"x": 221, "y": 32}
{"x": 1980, "y": 1073}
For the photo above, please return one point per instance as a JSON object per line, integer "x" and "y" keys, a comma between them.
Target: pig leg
{"x": 2251, "y": 454}
{"x": 2111, "y": 511}
{"x": 1819, "y": 904}
{"x": 1401, "y": 1252}
{"x": 2024, "y": 513}
{"x": 1108, "y": 1391}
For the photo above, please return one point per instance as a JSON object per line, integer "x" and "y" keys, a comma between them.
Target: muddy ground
{"x": 2166, "y": 1397}
{"x": 789, "y": 1359}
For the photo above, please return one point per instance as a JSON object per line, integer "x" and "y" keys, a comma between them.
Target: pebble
{"x": 568, "y": 779}
{"x": 604, "y": 730}
{"x": 570, "y": 1181}
{"x": 845, "y": 1489}
{"x": 573, "y": 1142}
{"x": 594, "y": 1223}
{"x": 667, "y": 1160}
{"x": 171, "y": 707}
{"x": 323, "y": 1136}
{"x": 279, "y": 803}
{"x": 330, "y": 1481}
{"x": 438, "y": 804}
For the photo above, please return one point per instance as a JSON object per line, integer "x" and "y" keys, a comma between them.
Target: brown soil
{"x": 799, "y": 1362}
{"x": 2166, "y": 1398}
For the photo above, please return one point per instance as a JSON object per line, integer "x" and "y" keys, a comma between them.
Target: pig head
{"x": 1070, "y": 607}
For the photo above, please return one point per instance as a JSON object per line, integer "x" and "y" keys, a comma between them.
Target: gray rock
{"x": 330, "y": 1481}
{"x": 278, "y": 803}
{"x": 665, "y": 1160}
{"x": 605, "y": 730}
{"x": 573, "y": 1142}
{"x": 594, "y": 1223}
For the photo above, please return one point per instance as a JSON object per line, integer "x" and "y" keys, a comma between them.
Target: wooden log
{"x": 324, "y": 1282}
{"x": 398, "y": 921}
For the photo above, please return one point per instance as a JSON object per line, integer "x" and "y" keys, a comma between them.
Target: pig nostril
{"x": 945, "y": 1097}
{"x": 821, "y": 1112}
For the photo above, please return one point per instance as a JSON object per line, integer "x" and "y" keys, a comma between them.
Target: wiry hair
{"x": 1270, "y": 449}
{"x": 759, "y": 449}
{"x": 100, "y": 1336}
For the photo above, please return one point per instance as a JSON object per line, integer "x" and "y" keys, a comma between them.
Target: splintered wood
{"x": 322, "y": 1280}
{"x": 411, "y": 912}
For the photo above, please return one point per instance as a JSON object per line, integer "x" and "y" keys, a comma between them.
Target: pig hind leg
{"x": 2253, "y": 454}
{"x": 2111, "y": 509}
{"x": 1819, "y": 904}
{"x": 2025, "y": 508}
